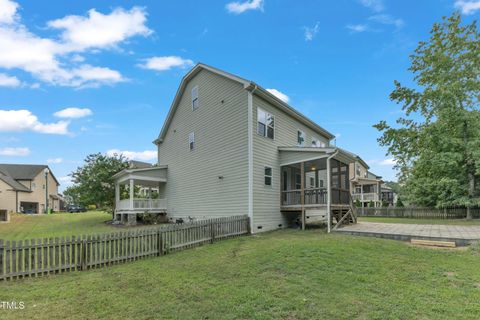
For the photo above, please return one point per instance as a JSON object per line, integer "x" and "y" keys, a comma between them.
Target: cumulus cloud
{"x": 47, "y": 58}
{"x": 280, "y": 95}
{"x": 240, "y": 7}
{"x": 9, "y": 81}
{"x": 8, "y": 11}
{"x": 14, "y": 152}
{"x": 166, "y": 63}
{"x": 134, "y": 155}
{"x": 389, "y": 162}
{"x": 310, "y": 32}
{"x": 55, "y": 160}
{"x": 73, "y": 113}
{"x": 24, "y": 120}
{"x": 467, "y": 7}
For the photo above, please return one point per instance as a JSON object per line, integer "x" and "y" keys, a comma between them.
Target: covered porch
{"x": 139, "y": 191}
{"x": 315, "y": 185}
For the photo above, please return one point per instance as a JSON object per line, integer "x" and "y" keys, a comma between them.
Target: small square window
{"x": 268, "y": 176}
{"x": 195, "y": 103}
{"x": 191, "y": 141}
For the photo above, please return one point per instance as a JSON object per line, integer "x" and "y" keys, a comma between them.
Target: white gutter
{"x": 329, "y": 192}
{"x": 250, "y": 155}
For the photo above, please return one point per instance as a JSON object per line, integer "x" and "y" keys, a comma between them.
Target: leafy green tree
{"x": 93, "y": 182}
{"x": 437, "y": 143}
{"x": 399, "y": 203}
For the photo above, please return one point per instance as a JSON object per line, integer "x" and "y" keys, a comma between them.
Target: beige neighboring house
{"x": 366, "y": 186}
{"x": 230, "y": 147}
{"x": 23, "y": 188}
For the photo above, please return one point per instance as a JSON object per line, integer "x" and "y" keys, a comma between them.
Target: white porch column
{"x": 329, "y": 195}
{"x": 132, "y": 192}
{"x": 117, "y": 194}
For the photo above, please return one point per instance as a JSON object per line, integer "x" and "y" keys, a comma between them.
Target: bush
{"x": 151, "y": 218}
{"x": 399, "y": 203}
{"x": 371, "y": 204}
{"x": 358, "y": 204}
{"x": 91, "y": 207}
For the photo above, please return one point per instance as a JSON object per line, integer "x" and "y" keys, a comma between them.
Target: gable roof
{"x": 12, "y": 183}
{"x": 22, "y": 172}
{"x": 248, "y": 85}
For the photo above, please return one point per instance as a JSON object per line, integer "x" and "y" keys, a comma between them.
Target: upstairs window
{"x": 195, "y": 103}
{"x": 265, "y": 124}
{"x": 191, "y": 141}
{"x": 268, "y": 176}
{"x": 300, "y": 138}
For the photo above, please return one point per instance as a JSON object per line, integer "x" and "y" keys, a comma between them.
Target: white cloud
{"x": 310, "y": 33}
{"x": 375, "y": 5}
{"x": 55, "y": 160}
{"x": 14, "y": 152}
{"x": 467, "y": 7}
{"x": 389, "y": 162}
{"x": 280, "y": 95}
{"x": 24, "y": 120}
{"x": 357, "y": 28}
{"x": 240, "y": 7}
{"x": 140, "y": 155}
{"x": 387, "y": 19}
{"x": 73, "y": 113}
{"x": 99, "y": 30}
{"x": 47, "y": 59}
{"x": 166, "y": 63}
{"x": 66, "y": 180}
{"x": 8, "y": 11}
{"x": 9, "y": 81}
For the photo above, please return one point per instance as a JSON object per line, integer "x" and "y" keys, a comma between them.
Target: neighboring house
{"x": 23, "y": 188}
{"x": 365, "y": 186}
{"x": 229, "y": 147}
{"x": 388, "y": 195}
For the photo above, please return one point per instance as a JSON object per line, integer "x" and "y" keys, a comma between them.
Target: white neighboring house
{"x": 229, "y": 147}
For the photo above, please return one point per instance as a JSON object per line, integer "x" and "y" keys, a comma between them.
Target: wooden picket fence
{"x": 37, "y": 257}
{"x": 419, "y": 212}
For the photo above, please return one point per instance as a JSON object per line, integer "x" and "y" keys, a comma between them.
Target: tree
{"x": 93, "y": 182}
{"x": 399, "y": 203}
{"x": 437, "y": 143}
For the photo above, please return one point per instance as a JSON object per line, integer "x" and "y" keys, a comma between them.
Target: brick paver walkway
{"x": 404, "y": 231}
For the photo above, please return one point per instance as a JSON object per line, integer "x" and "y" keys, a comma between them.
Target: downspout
{"x": 329, "y": 192}
{"x": 250, "y": 154}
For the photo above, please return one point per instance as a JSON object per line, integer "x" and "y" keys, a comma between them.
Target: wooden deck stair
{"x": 344, "y": 215}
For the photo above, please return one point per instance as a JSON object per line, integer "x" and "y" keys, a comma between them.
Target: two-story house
{"x": 229, "y": 147}
{"x": 365, "y": 185}
{"x": 27, "y": 188}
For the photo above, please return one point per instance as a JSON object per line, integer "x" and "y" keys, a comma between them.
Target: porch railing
{"x": 371, "y": 196}
{"x": 312, "y": 196}
{"x": 138, "y": 204}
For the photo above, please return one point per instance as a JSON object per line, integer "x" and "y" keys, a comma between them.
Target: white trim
{"x": 304, "y": 160}
{"x": 141, "y": 178}
{"x": 195, "y": 88}
{"x": 270, "y": 176}
{"x": 191, "y": 141}
{"x": 250, "y": 158}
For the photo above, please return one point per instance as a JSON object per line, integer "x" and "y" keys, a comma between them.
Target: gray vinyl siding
{"x": 193, "y": 185}
{"x": 266, "y": 199}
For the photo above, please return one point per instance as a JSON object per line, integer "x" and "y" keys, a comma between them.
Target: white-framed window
{"x": 268, "y": 176}
{"x": 300, "y": 138}
{"x": 195, "y": 102}
{"x": 191, "y": 141}
{"x": 265, "y": 124}
{"x": 316, "y": 143}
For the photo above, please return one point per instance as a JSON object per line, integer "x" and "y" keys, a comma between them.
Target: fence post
{"x": 212, "y": 232}
{"x": 159, "y": 243}
{"x": 83, "y": 256}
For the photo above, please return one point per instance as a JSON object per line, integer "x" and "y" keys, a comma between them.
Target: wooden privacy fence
{"x": 38, "y": 257}
{"x": 419, "y": 213}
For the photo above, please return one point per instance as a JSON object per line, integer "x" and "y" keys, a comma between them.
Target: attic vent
{"x": 259, "y": 227}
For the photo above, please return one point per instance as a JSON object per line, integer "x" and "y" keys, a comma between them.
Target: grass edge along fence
{"x": 419, "y": 212}
{"x": 37, "y": 257}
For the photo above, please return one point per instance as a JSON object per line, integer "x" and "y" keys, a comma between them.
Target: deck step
{"x": 433, "y": 243}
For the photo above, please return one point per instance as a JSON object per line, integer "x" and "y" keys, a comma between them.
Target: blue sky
{"x": 81, "y": 77}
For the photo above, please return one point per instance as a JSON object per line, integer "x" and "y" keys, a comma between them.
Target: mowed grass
{"x": 29, "y": 226}
{"x": 286, "y": 274}
{"x": 475, "y": 222}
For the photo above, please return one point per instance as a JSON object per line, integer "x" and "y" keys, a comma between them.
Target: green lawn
{"x": 286, "y": 274}
{"x": 24, "y": 226}
{"x": 421, "y": 221}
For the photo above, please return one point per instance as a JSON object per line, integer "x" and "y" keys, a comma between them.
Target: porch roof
{"x": 146, "y": 175}
{"x": 291, "y": 155}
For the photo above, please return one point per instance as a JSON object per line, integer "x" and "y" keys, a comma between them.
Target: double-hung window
{"x": 195, "y": 103}
{"x": 191, "y": 141}
{"x": 268, "y": 176}
{"x": 300, "y": 138}
{"x": 265, "y": 124}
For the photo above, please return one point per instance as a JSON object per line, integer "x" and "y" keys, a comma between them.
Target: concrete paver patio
{"x": 461, "y": 235}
